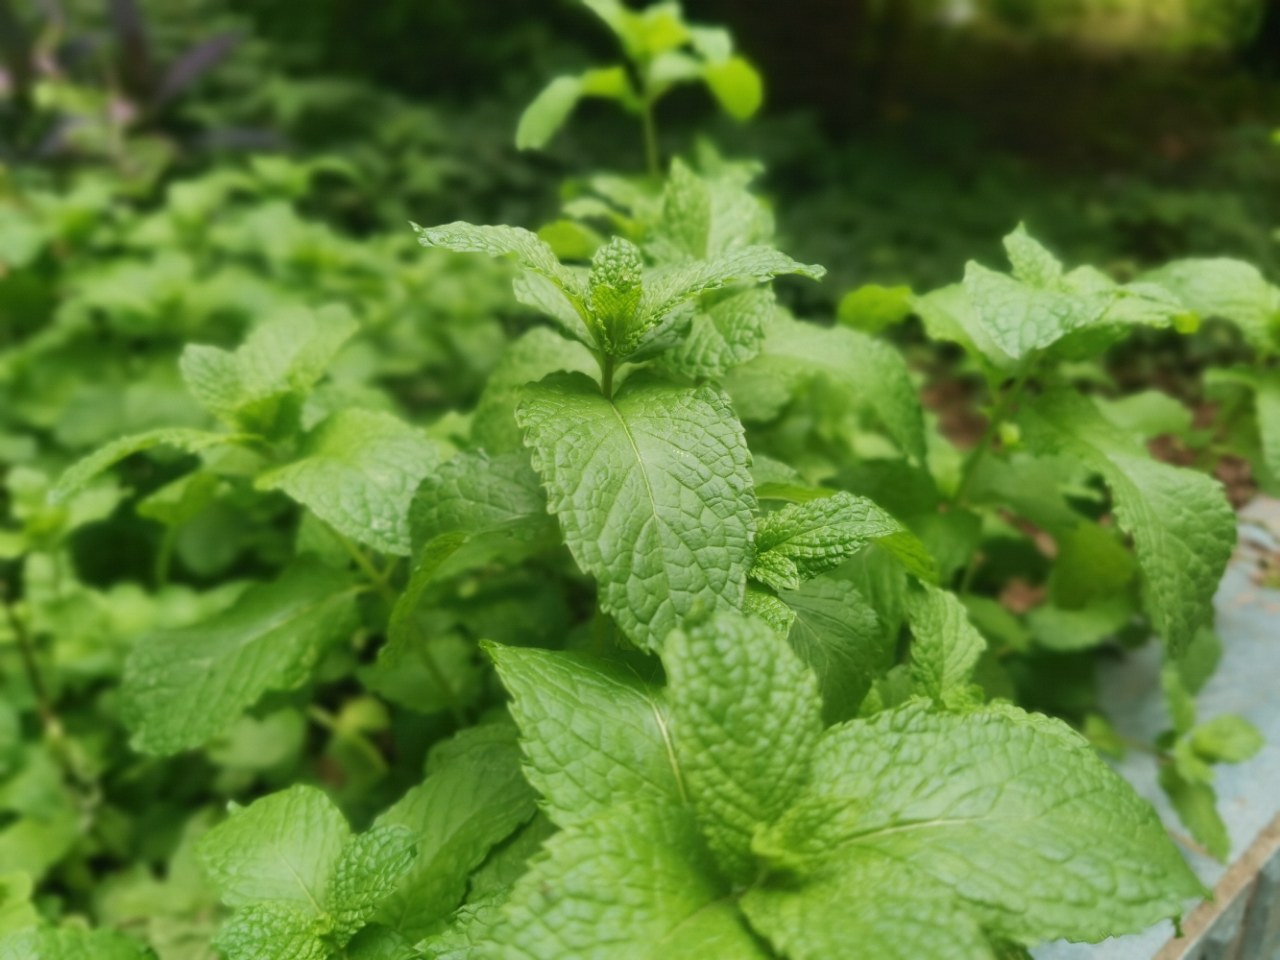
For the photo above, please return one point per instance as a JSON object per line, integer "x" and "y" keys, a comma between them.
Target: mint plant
{"x": 378, "y": 620}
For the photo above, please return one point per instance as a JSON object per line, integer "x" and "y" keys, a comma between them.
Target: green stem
{"x": 607, "y": 365}
{"x": 327, "y": 720}
{"x": 376, "y": 579}
{"x": 999, "y": 414}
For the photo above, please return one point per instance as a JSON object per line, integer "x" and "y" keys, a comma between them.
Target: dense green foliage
{"x": 376, "y": 592}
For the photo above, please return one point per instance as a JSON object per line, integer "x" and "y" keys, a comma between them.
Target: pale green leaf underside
{"x": 652, "y": 492}
{"x": 183, "y": 687}
{"x": 358, "y": 472}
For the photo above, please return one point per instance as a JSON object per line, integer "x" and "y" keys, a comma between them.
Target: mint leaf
{"x": 79, "y": 475}
{"x": 746, "y": 717}
{"x": 367, "y": 873}
{"x": 1183, "y": 529}
{"x": 468, "y": 803}
{"x": 628, "y": 884}
{"x": 259, "y": 387}
{"x": 281, "y": 848}
{"x": 548, "y": 111}
{"x": 357, "y": 472}
{"x": 891, "y": 913}
{"x": 837, "y": 633}
{"x": 722, "y": 335}
{"x": 869, "y": 372}
{"x": 1013, "y": 813}
{"x": 615, "y": 285}
{"x": 475, "y": 493}
{"x": 591, "y": 733}
{"x": 803, "y": 540}
{"x": 183, "y": 687}
{"x": 272, "y": 930}
{"x": 1226, "y": 739}
{"x": 652, "y": 492}
{"x": 945, "y": 646}
{"x": 1225, "y": 288}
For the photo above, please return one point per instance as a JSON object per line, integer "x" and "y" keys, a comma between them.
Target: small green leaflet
{"x": 945, "y": 646}
{"x": 183, "y": 687}
{"x": 652, "y": 492}
{"x": 357, "y": 472}
{"x": 301, "y": 884}
{"x": 803, "y": 540}
{"x": 70, "y": 943}
{"x": 80, "y": 474}
{"x": 1230, "y": 289}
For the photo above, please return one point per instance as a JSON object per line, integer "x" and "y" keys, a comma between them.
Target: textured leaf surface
{"x": 723, "y": 335}
{"x": 1014, "y": 813}
{"x": 629, "y": 884}
{"x": 592, "y": 734}
{"x": 746, "y": 717}
{"x": 1182, "y": 526}
{"x": 358, "y": 472}
{"x": 837, "y": 633}
{"x": 271, "y": 930}
{"x": 652, "y": 492}
{"x": 466, "y": 805}
{"x": 283, "y": 847}
{"x": 945, "y": 646}
{"x": 367, "y": 872}
{"x": 803, "y": 540}
{"x": 183, "y": 687}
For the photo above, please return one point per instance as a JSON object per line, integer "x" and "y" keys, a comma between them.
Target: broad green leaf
{"x": 1182, "y": 526}
{"x": 635, "y": 883}
{"x": 17, "y": 912}
{"x": 1013, "y": 813}
{"x": 475, "y": 493}
{"x": 803, "y": 540}
{"x": 1065, "y": 630}
{"x": 70, "y": 943}
{"x": 283, "y": 847}
{"x": 737, "y": 86}
{"x": 1265, "y": 386}
{"x": 669, "y": 287}
{"x": 358, "y": 472}
{"x": 945, "y": 646}
{"x": 1230, "y": 289}
{"x": 368, "y": 871}
{"x": 836, "y": 632}
{"x": 746, "y": 716}
{"x": 183, "y": 687}
{"x": 78, "y": 476}
{"x": 1092, "y": 565}
{"x": 272, "y": 930}
{"x": 468, "y": 803}
{"x": 652, "y": 492}
{"x": 259, "y": 386}
{"x": 891, "y": 913}
{"x": 869, "y": 371}
{"x": 592, "y": 734}
{"x": 722, "y": 335}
